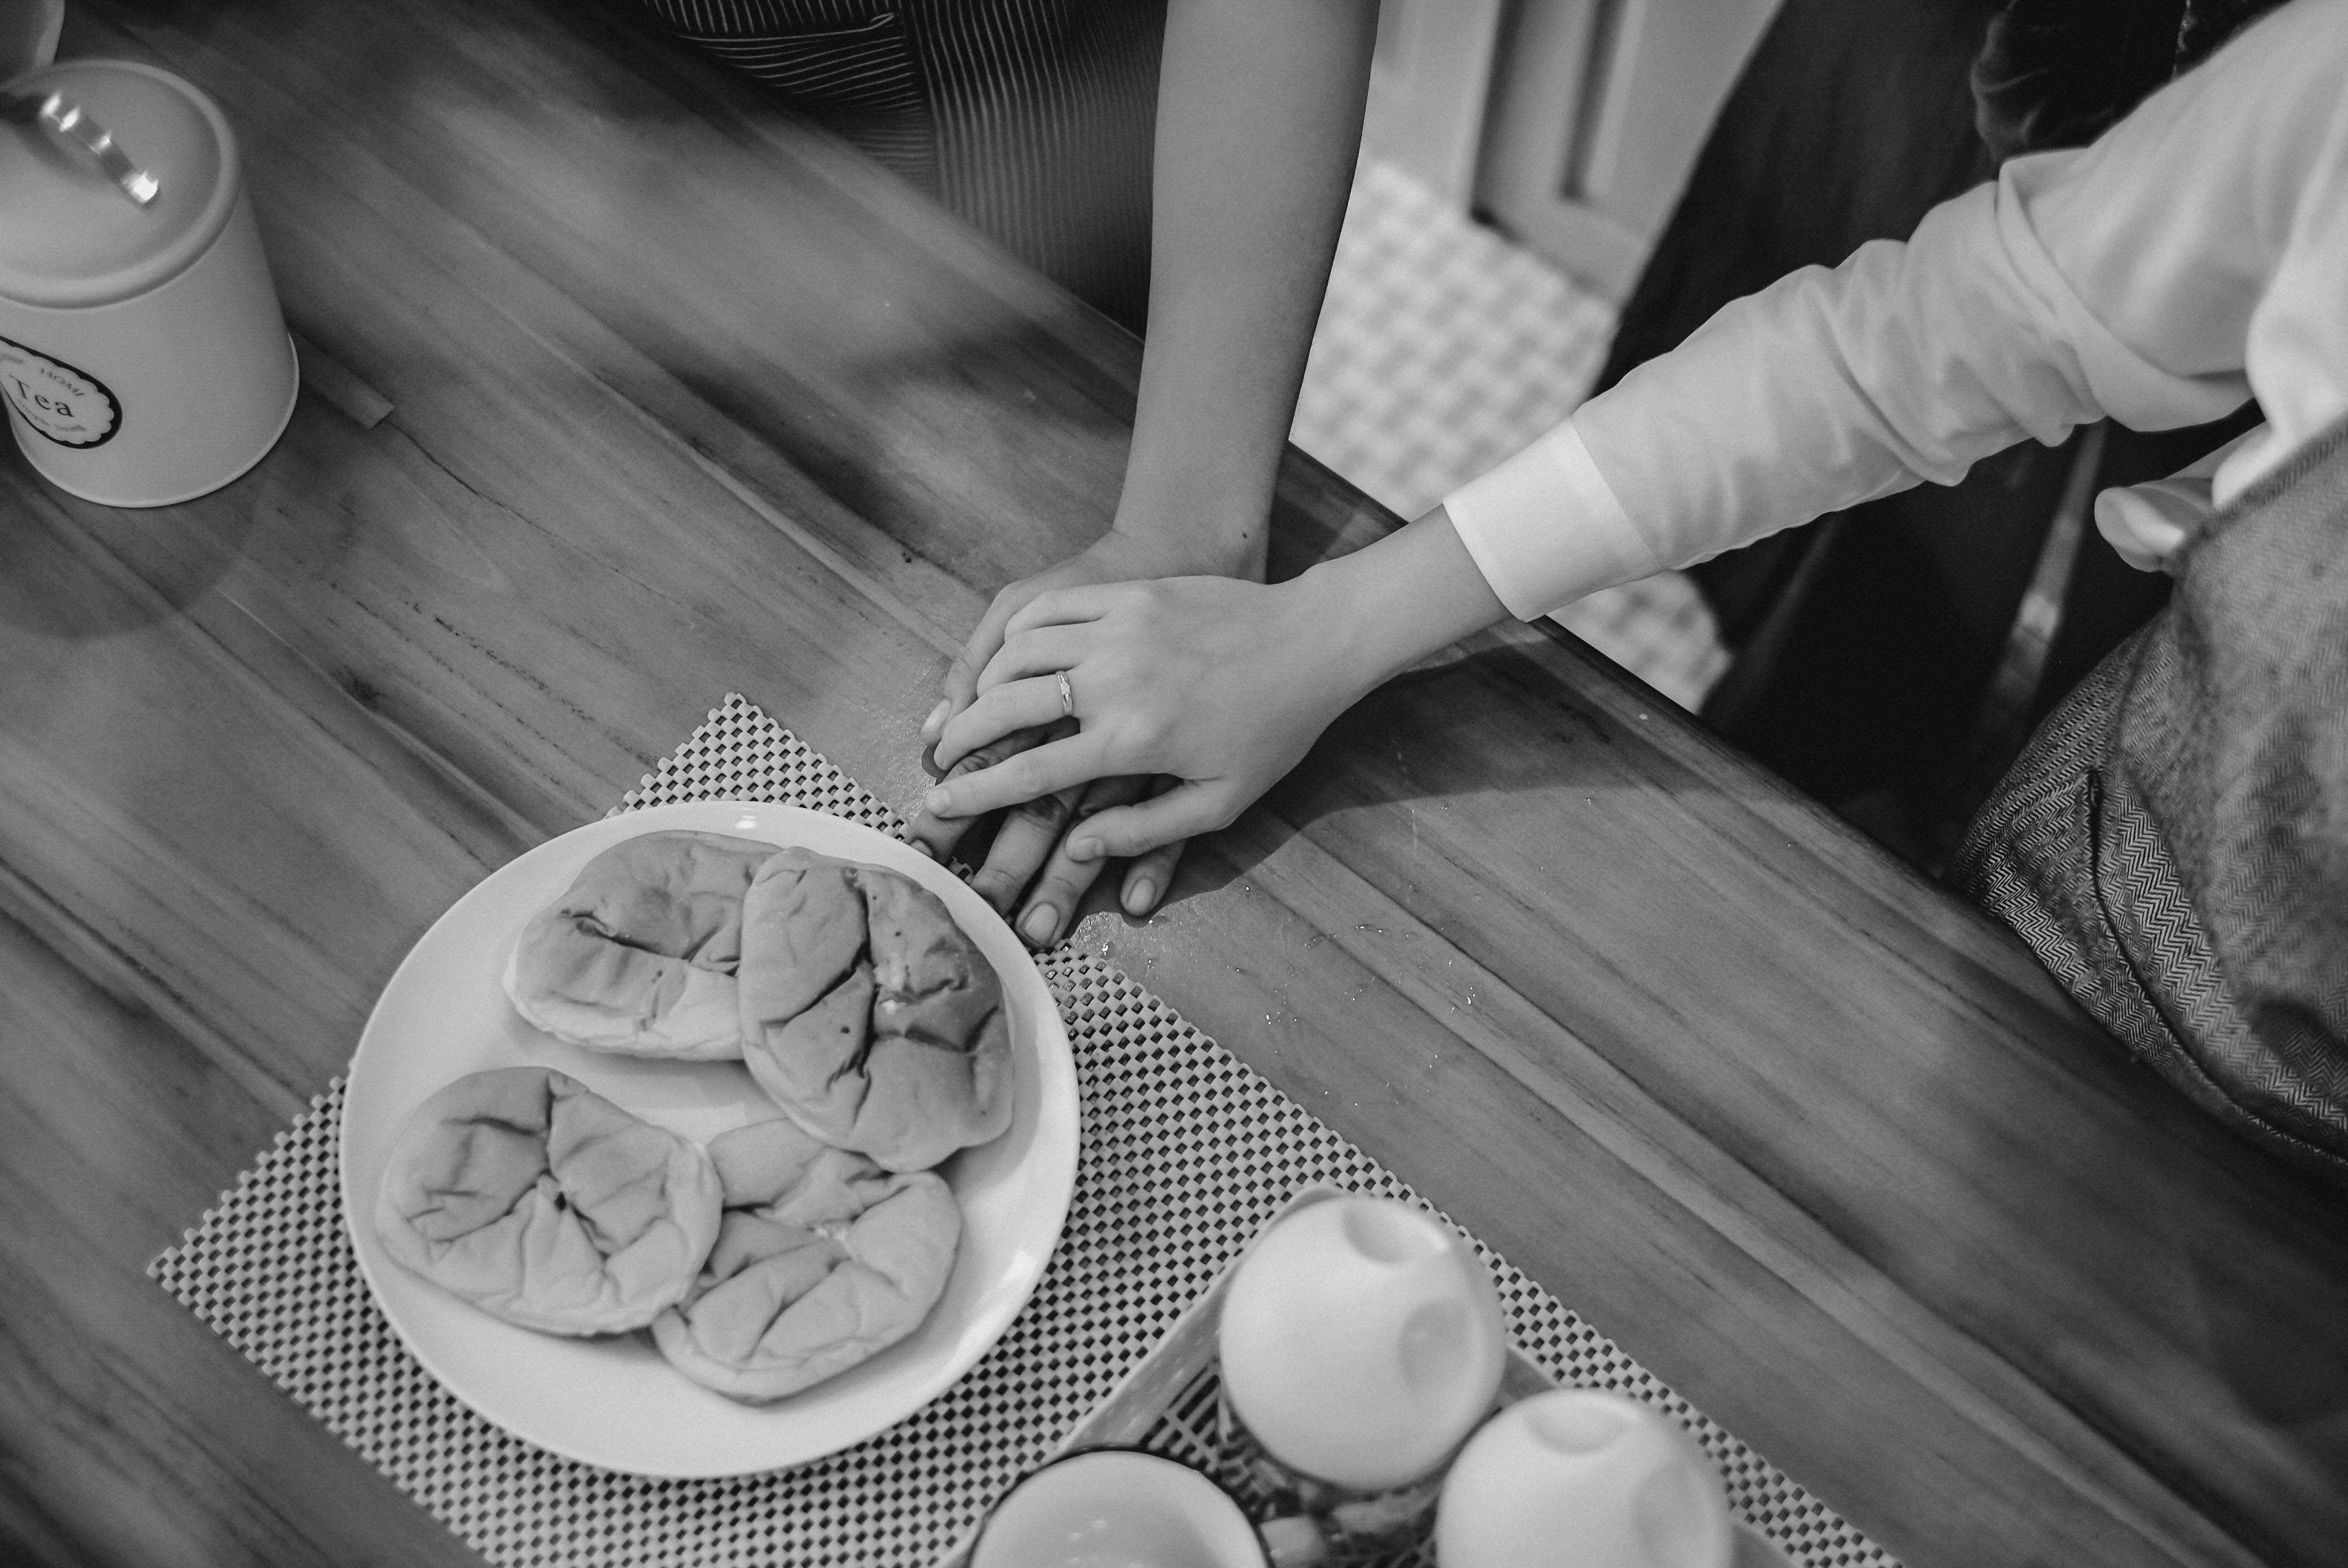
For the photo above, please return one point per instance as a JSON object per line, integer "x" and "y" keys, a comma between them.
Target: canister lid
{"x": 70, "y": 236}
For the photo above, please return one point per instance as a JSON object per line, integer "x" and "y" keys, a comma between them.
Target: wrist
{"x": 1342, "y": 650}
{"x": 1198, "y": 489}
{"x": 1392, "y": 603}
{"x": 1211, "y": 519}
{"x": 1190, "y": 546}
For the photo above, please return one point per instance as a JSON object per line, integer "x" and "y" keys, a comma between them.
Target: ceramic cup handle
{"x": 64, "y": 120}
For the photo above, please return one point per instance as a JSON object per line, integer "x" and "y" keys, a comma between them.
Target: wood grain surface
{"x": 623, "y": 392}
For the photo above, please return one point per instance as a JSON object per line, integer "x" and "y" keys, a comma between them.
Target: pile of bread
{"x": 786, "y": 1251}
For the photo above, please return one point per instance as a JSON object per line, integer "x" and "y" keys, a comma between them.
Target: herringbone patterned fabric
{"x": 2173, "y": 844}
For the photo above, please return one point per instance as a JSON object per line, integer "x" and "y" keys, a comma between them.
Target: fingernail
{"x": 1140, "y": 896}
{"x": 1041, "y": 922}
{"x": 938, "y": 802}
{"x": 1084, "y": 849}
{"x": 937, "y": 717}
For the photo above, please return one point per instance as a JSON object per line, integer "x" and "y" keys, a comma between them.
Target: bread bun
{"x": 639, "y": 956}
{"x": 870, "y": 1017}
{"x": 532, "y": 1196}
{"x": 822, "y": 1259}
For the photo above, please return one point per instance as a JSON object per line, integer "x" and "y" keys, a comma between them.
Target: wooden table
{"x": 624, "y": 393}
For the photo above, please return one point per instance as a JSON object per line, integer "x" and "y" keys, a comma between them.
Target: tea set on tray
{"x": 1367, "y": 1412}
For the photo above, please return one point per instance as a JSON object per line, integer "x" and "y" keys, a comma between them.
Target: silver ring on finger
{"x": 1067, "y": 697}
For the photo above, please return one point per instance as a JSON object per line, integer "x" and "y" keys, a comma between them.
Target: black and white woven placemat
{"x": 1185, "y": 1152}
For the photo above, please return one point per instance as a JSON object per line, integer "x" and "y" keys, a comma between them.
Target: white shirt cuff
{"x": 1545, "y": 528}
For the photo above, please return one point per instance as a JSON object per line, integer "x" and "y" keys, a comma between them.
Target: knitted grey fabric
{"x": 2173, "y": 843}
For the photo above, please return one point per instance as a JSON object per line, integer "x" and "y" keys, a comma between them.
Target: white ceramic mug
{"x": 1116, "y": 1508}
{"x": 1578, "y": 1478}
{"x": 1360, "y": 1340}
{"x": 142, "y": 357}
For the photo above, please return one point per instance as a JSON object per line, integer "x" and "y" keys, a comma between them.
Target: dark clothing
{"x": 1852, "y": 121}
{"x": 1033, "y": 120}
{"x": 1867, "y": 642}
{"x": 2060, "y": 73}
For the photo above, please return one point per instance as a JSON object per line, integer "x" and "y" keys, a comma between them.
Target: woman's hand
{"x": 1221, "y": 685}
{"x": 1120, "y": 555}
{"x": 1028, "y": 867}
{"x": 1030, "y": 846}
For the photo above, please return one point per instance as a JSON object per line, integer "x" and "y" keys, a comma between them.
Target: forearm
{"x": 1381, "y": 609}
{"x": 2119, "y": 281}
{"x": 1905, "y": 364}
{"x": 1258, "y": 120}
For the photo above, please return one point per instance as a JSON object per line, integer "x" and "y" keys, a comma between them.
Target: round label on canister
{"x": 71, "y": 407}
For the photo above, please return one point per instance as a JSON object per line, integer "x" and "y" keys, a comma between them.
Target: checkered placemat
{"x": 1185, "y": 1152}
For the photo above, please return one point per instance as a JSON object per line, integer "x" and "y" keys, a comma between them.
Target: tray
{"x": 1168, "y": 1405}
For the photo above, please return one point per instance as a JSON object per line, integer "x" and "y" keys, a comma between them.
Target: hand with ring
{"x": 1221, "y": 685}
{"x": 1028, "y": 873}
{"x": 1032, "y": 840}
{"x": 1028, "y": 867}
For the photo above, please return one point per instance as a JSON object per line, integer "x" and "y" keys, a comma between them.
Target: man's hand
{"x": 1031, "y": 846}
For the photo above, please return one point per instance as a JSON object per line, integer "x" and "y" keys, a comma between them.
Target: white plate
{"x": 614, "y": 1402}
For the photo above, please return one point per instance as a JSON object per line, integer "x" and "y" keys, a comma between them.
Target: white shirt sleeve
{"x": 2193, "y": 257}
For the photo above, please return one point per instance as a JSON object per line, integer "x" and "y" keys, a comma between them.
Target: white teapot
{"x": 1579, "y": 1477}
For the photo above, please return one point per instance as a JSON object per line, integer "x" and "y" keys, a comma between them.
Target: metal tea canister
{"x": 142, "y": 355}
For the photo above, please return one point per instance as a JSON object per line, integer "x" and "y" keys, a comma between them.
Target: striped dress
{"x": 1031, "y": 120}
